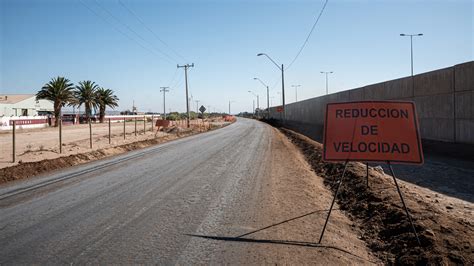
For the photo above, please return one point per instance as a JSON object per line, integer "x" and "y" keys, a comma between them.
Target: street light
{"x": 268, "y": 94}
{"x": 258, "y": 103}
{"x": 282, "y": 80}
{"x": 411, "y": 46}
{"x": 323, "y": 72}
{"x": 296, "y": 91}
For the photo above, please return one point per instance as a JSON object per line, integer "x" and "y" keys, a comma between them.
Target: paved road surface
{"x": 242, "y": 194}
{"x": 138, "y": 207}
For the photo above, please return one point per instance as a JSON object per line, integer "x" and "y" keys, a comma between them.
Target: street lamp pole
{"x": 268, "y": 94}
{"x": 282, "y": 81}
{"x": 296, "y": 91}
{"x": 411, "y": 46}
{"x": 327, "y": 72}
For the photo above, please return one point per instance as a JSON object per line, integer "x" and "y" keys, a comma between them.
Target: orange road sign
{"x": 372, "y": 131}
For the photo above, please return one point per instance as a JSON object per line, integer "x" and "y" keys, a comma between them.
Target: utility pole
{"x": 296, "y": 91}
{"x": 186, "y": 81}
{"x": 164, "y": 90}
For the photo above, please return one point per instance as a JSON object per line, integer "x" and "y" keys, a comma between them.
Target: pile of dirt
{"x": 377, "y": 210}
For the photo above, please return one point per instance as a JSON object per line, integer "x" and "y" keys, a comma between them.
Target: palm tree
{"x": 85, "y": 93}
{"x": 105, "y": 97}
{"x": 60, "y": 91}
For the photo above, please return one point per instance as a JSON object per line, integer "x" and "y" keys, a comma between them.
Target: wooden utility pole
{"x": 186, "y": 81}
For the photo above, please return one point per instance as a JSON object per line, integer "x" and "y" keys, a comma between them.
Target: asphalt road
{"x": 141, "y": 207}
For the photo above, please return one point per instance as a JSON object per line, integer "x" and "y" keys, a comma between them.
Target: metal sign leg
{"x": 403, "y": 202}
{"x": 333, "y": 200}
{"x": 367, "y": 171}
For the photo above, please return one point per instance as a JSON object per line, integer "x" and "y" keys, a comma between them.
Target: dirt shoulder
{"x": 444, "y": 224}
{"x": 290, "y": 211}
{"x": 38, "y": 164}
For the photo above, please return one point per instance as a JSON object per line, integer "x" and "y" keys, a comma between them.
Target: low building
{"x": 24, "y": 105}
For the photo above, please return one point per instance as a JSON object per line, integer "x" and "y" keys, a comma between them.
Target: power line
{"x": 150, "y": 30}
{"x": 173, "y": 77}
{"x": 120, "y": 31}
{"x": 309, "y": 34}
{"x": 132, "y": 30}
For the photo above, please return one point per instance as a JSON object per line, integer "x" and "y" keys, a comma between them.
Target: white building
{"x": 24, "y": 105}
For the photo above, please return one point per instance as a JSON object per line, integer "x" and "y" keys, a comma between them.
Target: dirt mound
{"x": 377, "y": 210}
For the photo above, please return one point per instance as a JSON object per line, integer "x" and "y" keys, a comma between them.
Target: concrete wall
{"x": 444, "y": 100}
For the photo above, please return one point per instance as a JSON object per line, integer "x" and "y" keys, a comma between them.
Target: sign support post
{"x": 403, "y": 202}
{"x": 367, "y": 170}
{"x": 333, "y": 200}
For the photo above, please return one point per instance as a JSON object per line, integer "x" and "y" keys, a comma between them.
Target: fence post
{"x": 124, "y": 128}
{"x": 152, "y": 123}
{"x": 14, "y": 138}
{"x": 90, "y": 133}
{"x": 109, "y": 131}
{"x": 144, "y": 125}
{"x": 135, "y": 125}
{"x": 60, "y": 135}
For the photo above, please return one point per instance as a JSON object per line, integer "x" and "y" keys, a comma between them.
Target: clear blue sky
{"x": 358, "y": 40}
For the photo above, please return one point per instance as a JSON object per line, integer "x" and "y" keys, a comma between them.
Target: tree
{"x": 85, "y": 94}
{"x": 60, "y": 91}
{"x": 104, "y": 98}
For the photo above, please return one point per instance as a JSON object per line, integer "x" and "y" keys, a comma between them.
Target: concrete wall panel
{"x": 435, "y": 106}
{"x": 465, "y": 131}
{"x": 375, "y": 92}
{"x": 434, "y": 82}
{"x": 464, "y": 77}
{"x": 398, "y": 89}
{"x": 465, "y": 105}
{"x": 437, "y": 129}
{"x": 356, "y": 94}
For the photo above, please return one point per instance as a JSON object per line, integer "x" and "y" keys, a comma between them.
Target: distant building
{"x": 24, "y": 105}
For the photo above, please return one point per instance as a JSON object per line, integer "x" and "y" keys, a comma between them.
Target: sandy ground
{"x": 39, "y": 144}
